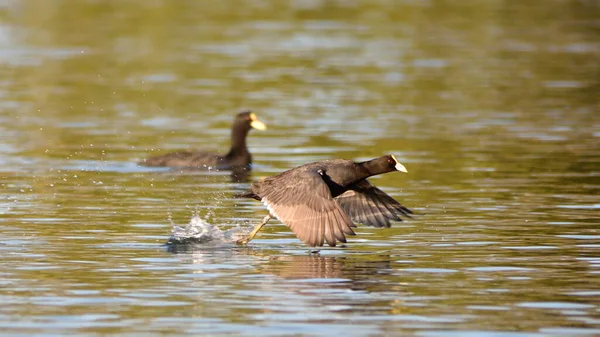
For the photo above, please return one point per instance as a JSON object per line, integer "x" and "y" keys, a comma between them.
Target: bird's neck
{"x": 370, "y": 168}
{"x": 238, "y": 141}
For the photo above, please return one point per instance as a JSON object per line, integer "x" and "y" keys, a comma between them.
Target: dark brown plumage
{"x": 319, "y": 201}
{"x": 238, "y": 155}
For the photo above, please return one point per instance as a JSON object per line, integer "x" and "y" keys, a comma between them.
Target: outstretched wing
{"x": 304, "y": 204}
{"x": 368, "y": 205}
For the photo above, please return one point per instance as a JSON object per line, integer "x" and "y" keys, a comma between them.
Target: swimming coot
{"x": 319, "y": 201}
{"x": 238, "y": 155}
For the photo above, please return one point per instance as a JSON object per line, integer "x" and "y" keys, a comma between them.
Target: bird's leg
{"x": 254, "y": 231}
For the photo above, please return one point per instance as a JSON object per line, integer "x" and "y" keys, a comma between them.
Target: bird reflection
{"x": 271, "y": 281}
{"x": 305, "y": 266}
{"x": 238, "y": 174}
{"x": 354, "y": 272}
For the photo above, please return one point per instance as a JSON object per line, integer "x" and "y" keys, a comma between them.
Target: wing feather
{"x": 303, "y": 202}
{"x": 371, "y": 206}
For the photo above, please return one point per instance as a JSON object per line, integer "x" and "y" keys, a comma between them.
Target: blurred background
{"x": 492, "y": 106}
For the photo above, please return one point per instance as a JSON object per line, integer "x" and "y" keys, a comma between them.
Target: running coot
{"x": 321, "y": 201}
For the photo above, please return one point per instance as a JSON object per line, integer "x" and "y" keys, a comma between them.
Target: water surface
{"x": 491, "y": 106}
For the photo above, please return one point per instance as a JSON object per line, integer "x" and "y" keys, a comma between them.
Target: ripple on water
{"x": 571, "y": 331}
{"x": 108, "y": 166}
{"x": 352, "y": 84}
{"x": 555, "y": 305}
{"x": 580, "y": 237}
{"x": 584, "y": 293}
{"x": 531, "y": 247}
{"x": 488, "y": 307}
{"x": 429, "y": 270}
{"x": 477, "y": 333}
{"x": 499, "y": 269}
{"x": 593, "y": 206}
{"x": 476, "y": 243}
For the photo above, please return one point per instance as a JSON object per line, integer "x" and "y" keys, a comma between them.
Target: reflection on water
{"x": 492, "y": 107}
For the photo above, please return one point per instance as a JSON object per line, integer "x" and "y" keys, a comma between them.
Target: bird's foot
{"x": 243, "y": 241}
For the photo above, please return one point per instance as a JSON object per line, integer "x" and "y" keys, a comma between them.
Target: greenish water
{"x": 492, "y": 106}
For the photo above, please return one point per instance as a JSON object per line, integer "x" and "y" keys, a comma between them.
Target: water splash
{"x": 200, "y": 231}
